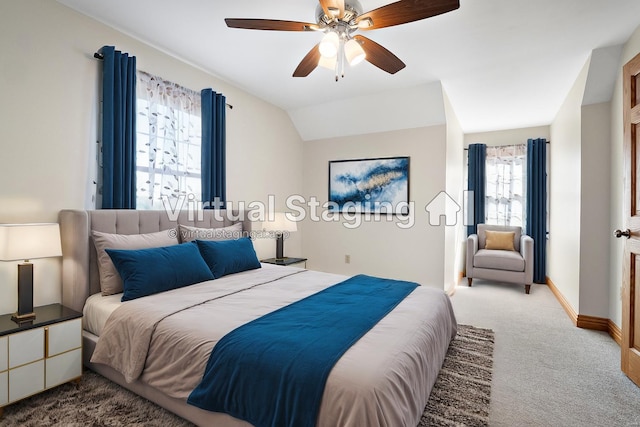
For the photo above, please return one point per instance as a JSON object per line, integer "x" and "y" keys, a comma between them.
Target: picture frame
{"x": 370, "y": 186}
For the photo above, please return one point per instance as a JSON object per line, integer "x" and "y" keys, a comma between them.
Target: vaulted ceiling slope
{"x": 503, "y": 63}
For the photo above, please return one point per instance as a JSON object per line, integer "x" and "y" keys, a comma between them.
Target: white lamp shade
{"x": 329, "y": 45}
{"x": 329, "y": 63}
{"x": 354, "y": 52}
{"x": 280, "y": 223}
{"x": 29, "y": 241}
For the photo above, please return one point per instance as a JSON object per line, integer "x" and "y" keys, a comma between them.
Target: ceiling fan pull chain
{"x": 342, "y": 61}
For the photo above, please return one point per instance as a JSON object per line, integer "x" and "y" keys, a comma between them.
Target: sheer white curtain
{"x": 168, "y": 142}
{"x": 506, "y": 171}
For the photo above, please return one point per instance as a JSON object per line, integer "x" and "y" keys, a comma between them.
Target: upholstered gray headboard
{"x": 79, "y": 265}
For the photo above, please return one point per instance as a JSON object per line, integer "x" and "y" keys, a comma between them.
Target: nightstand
{"x": 287, "y": 261}
{"x": 40, "y": 354}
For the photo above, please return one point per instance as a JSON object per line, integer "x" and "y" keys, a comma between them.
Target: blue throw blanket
{"x": 272, "y": 371}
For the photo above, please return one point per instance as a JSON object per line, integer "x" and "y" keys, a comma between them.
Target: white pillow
{"x": 110, "y": 281}
{"x": 189, "y": 234}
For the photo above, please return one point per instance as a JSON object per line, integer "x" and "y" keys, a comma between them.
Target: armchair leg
{"x": 469, "y": 279}
{"x": 527, "y": 288}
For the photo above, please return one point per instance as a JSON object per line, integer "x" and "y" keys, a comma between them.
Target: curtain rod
{"x": 100, "y": 57}
{"x": 467, "y": 149}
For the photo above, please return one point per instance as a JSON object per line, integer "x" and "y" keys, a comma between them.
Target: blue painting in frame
{"x": 370, "y": 185}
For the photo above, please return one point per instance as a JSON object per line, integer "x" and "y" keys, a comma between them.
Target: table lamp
{"x": 23, "y": 242}
{"x": 279, "y": 225}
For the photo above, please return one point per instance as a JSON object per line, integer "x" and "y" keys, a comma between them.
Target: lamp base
{"x": 25, "y": 294}
{"x": 280, "y": 247}
{"x": 22, "y": 318}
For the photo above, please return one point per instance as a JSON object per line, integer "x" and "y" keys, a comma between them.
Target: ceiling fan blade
{"x": 270, "y": 24}
{"x": 404, "y": 11}
{"x": 380, "y": 56}
{"x": 333, "y": 8}
{"x": 309, "y": 63}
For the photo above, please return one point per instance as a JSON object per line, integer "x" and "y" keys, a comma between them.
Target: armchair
{"x": 502, "y": 265}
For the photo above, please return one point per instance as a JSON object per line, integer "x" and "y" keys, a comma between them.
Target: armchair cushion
{"x": 500, "y": 240}
{"x": 499, "y": 260}
{"x": 482, "y": 235}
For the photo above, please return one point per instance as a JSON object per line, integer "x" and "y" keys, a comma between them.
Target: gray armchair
{"x": 500, "y": 265}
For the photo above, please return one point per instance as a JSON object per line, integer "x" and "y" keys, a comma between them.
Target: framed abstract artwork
{"x": 370, "y": 185}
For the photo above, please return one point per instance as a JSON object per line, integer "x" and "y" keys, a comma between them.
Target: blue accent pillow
{"x": 151, "y": 271}
{"x": 228, "y": 256}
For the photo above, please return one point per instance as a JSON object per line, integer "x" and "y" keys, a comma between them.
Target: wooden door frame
{"x": 630, "y": 356}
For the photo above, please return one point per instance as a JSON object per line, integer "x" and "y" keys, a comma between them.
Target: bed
{"x": 384, "y": 379}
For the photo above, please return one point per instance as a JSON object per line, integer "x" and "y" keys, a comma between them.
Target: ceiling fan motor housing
{"x": 352, "y": 9}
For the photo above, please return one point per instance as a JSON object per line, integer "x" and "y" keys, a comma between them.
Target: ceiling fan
{"x": 339, "y": 20}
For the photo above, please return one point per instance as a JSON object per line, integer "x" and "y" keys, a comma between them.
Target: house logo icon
{"x": 443, "y": 205}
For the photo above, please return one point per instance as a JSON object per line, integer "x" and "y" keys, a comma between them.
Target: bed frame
{"x": 80, "y": 279}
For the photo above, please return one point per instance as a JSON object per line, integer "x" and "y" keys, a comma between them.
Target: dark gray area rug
{"x": 462, "y": 392}
{"x": 460, "y": 396}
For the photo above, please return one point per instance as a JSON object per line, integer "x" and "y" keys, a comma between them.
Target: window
{"x": 505, "y": 197}
{"x": 168, "y": 143}
{"x": 506, "y": 186}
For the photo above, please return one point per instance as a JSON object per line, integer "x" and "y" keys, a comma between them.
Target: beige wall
{"x": 617, "y": 218}
{"x": 594, "y": 210}
{"x": 578, "y": 259}
{"x": 49, "y": 85}
{"x": 563, "y": 256}
{"x": 586, "y": 190}
{"x": 454, "y": 236}
{"x": 380, "y": 248}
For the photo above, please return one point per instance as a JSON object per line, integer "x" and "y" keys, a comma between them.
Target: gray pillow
{"x": 189, "y": 234}
{"x": 110, "y": 281}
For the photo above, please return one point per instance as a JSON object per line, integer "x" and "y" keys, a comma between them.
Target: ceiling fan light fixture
{"x": 354, "y": 52}
{"x": 329, "y": 45}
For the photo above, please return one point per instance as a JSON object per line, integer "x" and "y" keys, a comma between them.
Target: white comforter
{"x": 383, "y": 380}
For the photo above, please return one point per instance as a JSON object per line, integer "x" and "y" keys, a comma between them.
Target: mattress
{"x": 384, "y": 379}
{"x": 97, "y": 310}
{"x": 99, "y": 307}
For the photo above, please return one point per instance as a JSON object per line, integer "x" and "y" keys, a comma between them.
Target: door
{"x": 631, "y": 266}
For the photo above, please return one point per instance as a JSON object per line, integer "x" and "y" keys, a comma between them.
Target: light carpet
{"x": 460, "y": 397}
{"x": 547, "y": 372}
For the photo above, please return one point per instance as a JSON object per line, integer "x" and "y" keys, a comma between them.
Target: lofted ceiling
{"x": 503, "y": 63}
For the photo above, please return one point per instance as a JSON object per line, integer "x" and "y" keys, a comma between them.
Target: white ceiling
{"x": 503, "y": 63}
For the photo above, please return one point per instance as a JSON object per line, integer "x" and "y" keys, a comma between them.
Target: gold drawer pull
{"x": 46, "y": 342}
